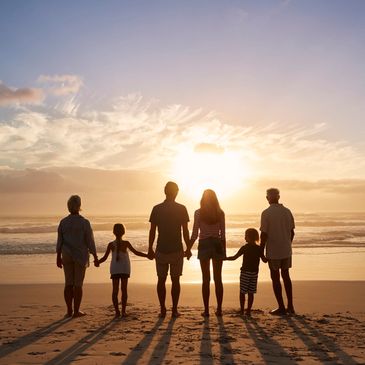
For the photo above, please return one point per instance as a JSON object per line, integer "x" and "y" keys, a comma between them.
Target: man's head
{"x": 273, "y": 195}
{"x": 171, "y": 190}
{"x": 74, "y": 204}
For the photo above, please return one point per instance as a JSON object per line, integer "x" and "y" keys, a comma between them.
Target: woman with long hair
{"x": 209, "y": 225}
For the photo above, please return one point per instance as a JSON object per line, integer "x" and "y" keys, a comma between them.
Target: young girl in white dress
{"x": 120, "y": 266}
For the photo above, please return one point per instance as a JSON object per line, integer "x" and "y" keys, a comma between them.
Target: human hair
{"x": 171, "y": 189}
{"x": 74, "y": 204}
{"x": 210, "y": 210}
{"x": 252, "y": 235}
{"x": 273, "y": 192}
{"x": 118, "y": 231}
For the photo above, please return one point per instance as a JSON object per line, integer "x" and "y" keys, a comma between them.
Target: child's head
{"x": 251, "y": 235}
{"x": 118, "y": 230}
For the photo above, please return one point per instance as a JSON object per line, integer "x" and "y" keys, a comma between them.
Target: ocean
{"x": 327, "y": 246}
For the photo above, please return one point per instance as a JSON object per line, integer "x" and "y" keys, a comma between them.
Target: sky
{"x": 111, "y": 99}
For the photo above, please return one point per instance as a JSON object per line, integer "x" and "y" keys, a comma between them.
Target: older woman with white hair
{"x": 74, "y": 243}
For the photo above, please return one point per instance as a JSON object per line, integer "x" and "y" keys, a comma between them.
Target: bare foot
{"x": 278, "y": 312}
{"x": 205, "y": 314}
{"x": 78, "y": 314}
{"x": 290, "y": 310}
{"x": 68, "y": 315}
{"x": 248, "y": 313}
{"x": 218, "y": 313}
{"x": 162, "y": 313}
{"x": 124, "y": 314}
{"x": 175, "y": 314}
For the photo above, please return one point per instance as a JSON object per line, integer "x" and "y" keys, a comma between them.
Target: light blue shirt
{"x": 76, "y": 237}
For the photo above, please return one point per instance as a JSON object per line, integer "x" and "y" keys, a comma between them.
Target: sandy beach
{"x": 327, "y": 329}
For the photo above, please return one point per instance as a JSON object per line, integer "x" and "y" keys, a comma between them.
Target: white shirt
{"x": 277, "y": 222}
{"x": 123, "y": 265}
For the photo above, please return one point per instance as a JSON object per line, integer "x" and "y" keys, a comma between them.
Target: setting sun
{"x": 221, "y": 171}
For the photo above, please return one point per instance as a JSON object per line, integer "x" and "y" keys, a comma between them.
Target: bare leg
{"x": 175, "y": 294}
{"x": 115, "y": 296}
{"x": 288, "y": 289}
{"x": 242, "y": 302}
{"x": 161, "y": 292}
{"x": 275, "y": 277}
{"x": 217, "y": 274}
{"x": 205, "y": 268}
{"x": 249, "y": 303}
{"x": 77, "y": 301}
{"x": 69, "y": 296}
{"x": 124, "y": 287}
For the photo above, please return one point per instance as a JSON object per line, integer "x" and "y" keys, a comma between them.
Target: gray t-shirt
{"x": 169, "y": 217}
{"x": 277, "y": 222}
{"x": 76, "y": 237}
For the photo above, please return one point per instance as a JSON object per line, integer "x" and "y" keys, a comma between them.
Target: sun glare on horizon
{"x": 196, "y": 171}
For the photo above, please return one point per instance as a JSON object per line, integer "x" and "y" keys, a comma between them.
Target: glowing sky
{"x": 261, "y": 93}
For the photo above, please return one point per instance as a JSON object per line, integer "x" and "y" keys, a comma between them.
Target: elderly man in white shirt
{"x": 74, "y": 243}
{"x": 277, "y": 233}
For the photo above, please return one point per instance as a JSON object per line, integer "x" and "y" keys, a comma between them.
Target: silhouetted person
{"x": 169, "y": 218}
{"x": 209, "y": 223}
{"x": 74, "y": 243}
{"x": 277, "y": 233}
{"x": 120, "y": 266}
{"x": 251, "y": 252}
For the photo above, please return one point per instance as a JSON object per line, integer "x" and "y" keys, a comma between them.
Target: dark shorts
{"x": 276, "y": 264}
{"x": 74, "y": 272}
{"x": 119, "y": 276}
{"x": 173, "y": 261}
{"x": 210, "y": 248}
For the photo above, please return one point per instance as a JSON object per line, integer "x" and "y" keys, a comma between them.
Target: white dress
{"x": 123, "y": 265}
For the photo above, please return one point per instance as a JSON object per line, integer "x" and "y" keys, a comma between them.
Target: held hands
{"x": 188, "y": 254}
{"x": 96, "y": 261}
{"x": 264, "y": 259}
{"x": 151, "y": 254}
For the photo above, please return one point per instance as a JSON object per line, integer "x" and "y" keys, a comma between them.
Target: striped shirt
{"x": 205, "y": 230}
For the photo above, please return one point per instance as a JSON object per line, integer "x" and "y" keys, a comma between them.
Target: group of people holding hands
{"x": 169, "y": 220}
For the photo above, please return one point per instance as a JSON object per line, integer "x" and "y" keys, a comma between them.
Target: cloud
{"x": 132, "y": 133}
{"x": 10, "y": 96}
{"x": 74, "y": 179}
{"x": 61, "y": 85}
{"x": 208, "y": 148}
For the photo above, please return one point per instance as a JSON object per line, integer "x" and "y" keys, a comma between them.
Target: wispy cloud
{"x": 134, "y": 133}
{"x": 61, "y": 84}
{"x": 10, "y": 96}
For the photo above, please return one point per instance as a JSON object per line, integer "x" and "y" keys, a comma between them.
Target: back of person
{"x": 251, "y": 257}
{"x": 120, "y": 262}
{"x": 75, "y": 231}
{"x": 278, "y": 222}
{"x": 169, "y": 216}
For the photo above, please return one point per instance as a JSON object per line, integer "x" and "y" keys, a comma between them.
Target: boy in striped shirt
{"x": 251, "y": 252}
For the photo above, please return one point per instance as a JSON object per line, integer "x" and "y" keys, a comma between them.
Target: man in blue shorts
{"x": 277, "y": 233}
{"x": 169, "y": 218}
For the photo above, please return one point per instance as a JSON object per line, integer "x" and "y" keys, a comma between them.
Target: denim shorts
{"x": 210, "y": 248}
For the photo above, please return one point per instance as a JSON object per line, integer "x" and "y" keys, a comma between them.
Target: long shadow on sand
{"x": 206, "y": 355}
{"x": 160, "y": 350}
{"x": 66, "y": 356}
{"x": 323, "y": 347}
{"x": 137, "y": 352}
{"x": 224, "y": 342}
{"x": 267, "y": 346}
{"x": 31, "y": 337}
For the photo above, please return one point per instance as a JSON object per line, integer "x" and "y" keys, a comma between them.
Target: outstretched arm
{"x": 236, "y": 256}
{"x": 138, "y": 253}
{"x": 107, "y": 252}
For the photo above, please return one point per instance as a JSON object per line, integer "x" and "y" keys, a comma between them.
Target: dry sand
{"x": 329, "y": 327}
